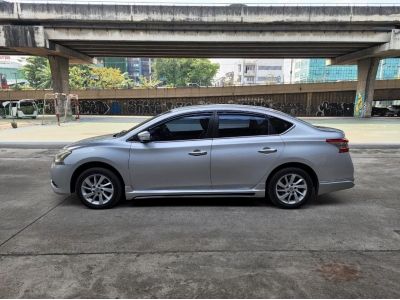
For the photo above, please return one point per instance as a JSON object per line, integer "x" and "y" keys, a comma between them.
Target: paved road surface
{"x": 346, "y": 244}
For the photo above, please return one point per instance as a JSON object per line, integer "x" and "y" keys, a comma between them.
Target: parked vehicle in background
{"x": 208, "y": 151}
{"x": 25, "y": 108}
{"x": 379, "y": 111}
{"x": 193, "y": 85}
{"x": 393, "y": 111}
{"x": 390, "y": 111}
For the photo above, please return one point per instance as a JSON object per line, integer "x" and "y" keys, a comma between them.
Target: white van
{"x": 25, "y": 108}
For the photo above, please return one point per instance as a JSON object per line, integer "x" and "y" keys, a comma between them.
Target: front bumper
{"x": 333, "y": 186}
{"x": 61, "y": 178}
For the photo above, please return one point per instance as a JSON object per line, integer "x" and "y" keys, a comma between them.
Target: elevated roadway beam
{"x": 183, "y": 14}
{"x": 389, "y": 49}
{"x": 32, "y": 40}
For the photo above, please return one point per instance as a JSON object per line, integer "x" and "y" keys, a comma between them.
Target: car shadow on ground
{"x": 324, "y": 200}
{"x": 231, "y": 201}
{"x": 329, "y": 200}
{"x": 73, "y": 200}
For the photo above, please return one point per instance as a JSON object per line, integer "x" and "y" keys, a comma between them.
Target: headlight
{"x": 60, "y": 156}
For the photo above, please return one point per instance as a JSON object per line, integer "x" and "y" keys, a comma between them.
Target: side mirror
{"x": 144, "y": 136}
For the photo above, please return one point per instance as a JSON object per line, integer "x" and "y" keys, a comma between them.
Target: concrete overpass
{"x": 76, "y": 33}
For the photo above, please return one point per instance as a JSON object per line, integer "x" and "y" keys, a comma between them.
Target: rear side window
{"x": 231, "y": 125}
{"x": 278, "y": 126}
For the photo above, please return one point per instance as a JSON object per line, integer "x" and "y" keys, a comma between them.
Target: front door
{"x": 176, "y": 159}
{"x": 243, "y": 151}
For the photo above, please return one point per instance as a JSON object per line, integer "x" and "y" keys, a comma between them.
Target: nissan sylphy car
{"x": 208, "y": 151}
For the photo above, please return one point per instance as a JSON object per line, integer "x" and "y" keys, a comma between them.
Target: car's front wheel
{"x": 290, "y": 188}
{"x": 99, "y": 188}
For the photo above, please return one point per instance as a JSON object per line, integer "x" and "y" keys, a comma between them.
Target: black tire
{"x": 276, "y": 177}
{"x": 111, "y": 176}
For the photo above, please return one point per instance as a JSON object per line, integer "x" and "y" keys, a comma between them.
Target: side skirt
{"x": 193, "y": 194}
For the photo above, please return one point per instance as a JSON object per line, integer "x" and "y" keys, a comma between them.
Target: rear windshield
{"x": 26, "y": 103}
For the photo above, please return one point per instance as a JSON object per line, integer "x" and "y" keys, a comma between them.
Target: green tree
{"x": 107, "y": 78}
{"x": 79, "y": 76}
{"x": 179, "y": 72}
{"x": 202, "y": 71}
{"x": 37, "y": 72}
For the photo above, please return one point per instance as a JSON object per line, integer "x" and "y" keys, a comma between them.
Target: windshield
{"x": 124, "y": 132}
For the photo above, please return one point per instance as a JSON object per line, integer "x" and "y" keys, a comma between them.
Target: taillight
{"x": 341, "y": 144}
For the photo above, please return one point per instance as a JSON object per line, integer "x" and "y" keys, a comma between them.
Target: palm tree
{"x": 44, "y": 74}
{"x": 148, "y": 83}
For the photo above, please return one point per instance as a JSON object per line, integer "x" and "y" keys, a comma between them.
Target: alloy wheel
{"x": 291, "y": 188}
{"x": 97, "y": 189}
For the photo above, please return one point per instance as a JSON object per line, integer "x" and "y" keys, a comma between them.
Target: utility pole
{"x": 291, "y": 70}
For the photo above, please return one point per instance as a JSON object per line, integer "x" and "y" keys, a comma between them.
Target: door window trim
{"x": 208, "y": 135}
{"x": 256, "y": 114}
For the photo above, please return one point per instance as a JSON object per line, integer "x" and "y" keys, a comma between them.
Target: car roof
{"x": 220, "y": 107}
{"x": 227, "y": 107}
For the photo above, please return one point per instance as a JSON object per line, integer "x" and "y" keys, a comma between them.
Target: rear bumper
{"x": 327, "y": 187}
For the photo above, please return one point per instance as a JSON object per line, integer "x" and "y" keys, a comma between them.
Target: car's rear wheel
{"x": 290, "y": 188}
{"x": 99, "y": 188}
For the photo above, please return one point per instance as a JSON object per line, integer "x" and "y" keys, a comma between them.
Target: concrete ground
{"x": 359, "y": 131}
{"x": 343, "y": 245}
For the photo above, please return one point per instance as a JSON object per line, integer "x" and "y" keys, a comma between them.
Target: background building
{"x": 258, "y": 71}
{"x": 135, "y": 67}
{"x": 316, "y": 70}
{"x": 389, "y": 68}
{"x": 114, "y": 62}
{"x": 11, "y": 71}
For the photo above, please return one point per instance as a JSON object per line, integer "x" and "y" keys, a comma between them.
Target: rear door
{"x": 243, "y": 151}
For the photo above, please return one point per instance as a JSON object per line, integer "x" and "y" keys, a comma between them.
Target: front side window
{"x": 231, "y": 125}
{"x": 185, "y": 128}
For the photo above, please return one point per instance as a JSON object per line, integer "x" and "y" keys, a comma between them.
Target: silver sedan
{"x": 208, "y": 150}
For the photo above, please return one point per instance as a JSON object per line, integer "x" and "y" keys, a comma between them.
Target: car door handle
{"x": 267, "y": 150}
{"x": 197, "y": 152}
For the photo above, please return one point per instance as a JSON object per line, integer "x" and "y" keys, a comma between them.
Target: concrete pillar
{"x": 367, "y": 69}
{"x": 309, "y": 101}
{"x": 59, "y": 67}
